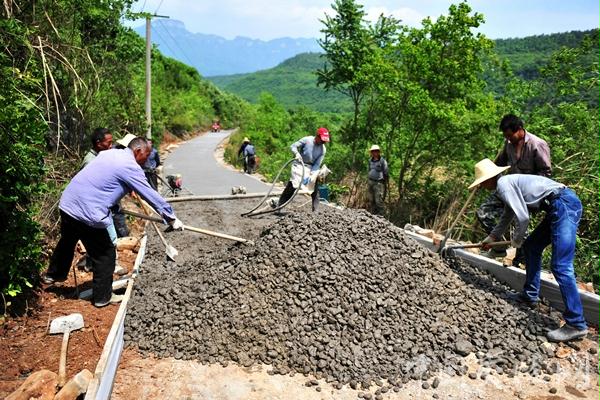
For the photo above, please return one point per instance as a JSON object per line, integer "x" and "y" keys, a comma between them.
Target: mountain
{"x": 214, "y": 55}
{"x": 293, "y": 83}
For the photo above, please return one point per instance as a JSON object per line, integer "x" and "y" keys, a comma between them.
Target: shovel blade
{"x": 171, "y": 252}
{"x": 69, "y": 322}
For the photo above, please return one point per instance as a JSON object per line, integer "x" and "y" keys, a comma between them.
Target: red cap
{"x": 323, "y": 133}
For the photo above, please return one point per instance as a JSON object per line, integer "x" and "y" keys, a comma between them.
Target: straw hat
{"x": 124, "y": 141}
{"x": 484, "y": 170}
{"x": 246, "y": 140}
{"x": 374, "y": 148}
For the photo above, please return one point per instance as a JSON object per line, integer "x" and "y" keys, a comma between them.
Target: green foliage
{"x": 272, "y": 129}
{"x": 21, "y": 160}
{"x": 67, "y": 67}
{"x": 293, "y": 83}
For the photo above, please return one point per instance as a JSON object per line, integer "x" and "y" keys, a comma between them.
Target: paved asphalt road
{"x": 201, "y": 173}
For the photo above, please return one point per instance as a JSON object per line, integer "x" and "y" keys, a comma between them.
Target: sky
{"x": 270, "y": 19}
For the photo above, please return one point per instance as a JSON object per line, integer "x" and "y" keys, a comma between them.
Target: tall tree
{"x": 349, "y": 46}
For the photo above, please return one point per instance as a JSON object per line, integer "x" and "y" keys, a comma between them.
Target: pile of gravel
{"x": 341, "y": 295}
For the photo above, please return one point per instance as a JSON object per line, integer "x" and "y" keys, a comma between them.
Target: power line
{"x": 159, "y": 4}
{"x": 144, "y": 6}
{"x": 163, "y": 40}
{"x": 177, "y": 44}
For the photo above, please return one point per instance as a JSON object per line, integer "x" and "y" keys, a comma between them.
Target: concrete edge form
{"x": 515, "y": 278}
{"x": 104, "y": 376}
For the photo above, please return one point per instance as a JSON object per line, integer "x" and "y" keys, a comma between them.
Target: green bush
{"x": 21, "y": 162}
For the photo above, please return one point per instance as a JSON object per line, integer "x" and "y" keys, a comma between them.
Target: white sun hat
{"x": 125, "y": 140}
{"x": 374, "y": 147}
{"x": 484, "y": 170}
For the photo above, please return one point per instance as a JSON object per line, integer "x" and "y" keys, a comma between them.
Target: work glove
{"x": 298, "y": 156}
{"x": 306, "y": 181}
{"x": 485, "y": 242}
{"x": 176, "y": 224}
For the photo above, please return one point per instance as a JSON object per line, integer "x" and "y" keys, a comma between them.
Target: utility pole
{"x": 149, "y": 72}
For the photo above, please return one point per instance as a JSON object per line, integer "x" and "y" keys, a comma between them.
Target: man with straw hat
{"x": 522, "y": 194}
{"x": 524, "y": 153}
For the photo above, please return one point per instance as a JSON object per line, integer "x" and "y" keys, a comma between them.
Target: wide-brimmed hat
{"x": 246, "y": 140}
{"x": 374, "y": 148}
{"x": 486, "y": 169}
{"x": 125, "y": 140}
{"x": 323, "y": 133}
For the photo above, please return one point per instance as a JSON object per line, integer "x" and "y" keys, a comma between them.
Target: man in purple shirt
{"x": 85, "y": 214}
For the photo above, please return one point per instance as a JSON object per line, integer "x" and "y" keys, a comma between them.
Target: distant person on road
{"x": 311, "y": 150}
{"x": 524, "y": 194}
{"x": 378, "y": 179}
{"x": 102, "y": 140}
{"x": 85, "y": 214}
{"x": 249, "y": 154}
{"x": 523, "y": 153}
{"x": 240, "y": 153}
{"x": 150, "y": 166}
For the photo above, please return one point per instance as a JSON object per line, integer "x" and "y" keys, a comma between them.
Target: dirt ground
{"x": 26, "y": 346}
{"x": 151, "y": 378}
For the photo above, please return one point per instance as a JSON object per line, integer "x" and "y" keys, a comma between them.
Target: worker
{"x": 102, "y": 140}
{"x": 523, "y": 153}
{"x": 522, "y": 194}
{"x": 249, "y": 157}
{"x": 378, "y": 179}
{"x": 150, "y": 166}
{"x": 310, "y": 150}
{"x": 84, "y": 211}
{"x": 245, "y": 143}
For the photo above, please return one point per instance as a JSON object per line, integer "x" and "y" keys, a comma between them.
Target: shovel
{"x": 65, "y": 325}
{"x": 170, "y": 251}
{"x": 189, "y": 228}
{"x": 449, "y": 249}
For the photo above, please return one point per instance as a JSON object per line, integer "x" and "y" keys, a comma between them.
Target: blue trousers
{"x": 559, "y": 228}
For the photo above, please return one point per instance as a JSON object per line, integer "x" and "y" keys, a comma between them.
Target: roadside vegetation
{"x": 68, "y": 67}
{"x": 432, "y": 98}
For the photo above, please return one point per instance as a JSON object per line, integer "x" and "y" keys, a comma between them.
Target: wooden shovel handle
{"x": 477, "y": 245}
{"x": 62, "y": 365}
{"x": 217, "y": 234}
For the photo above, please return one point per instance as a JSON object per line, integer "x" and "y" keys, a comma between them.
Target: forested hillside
{"x": 294, "y": 81}
{"x": 421, "y": 94}
{"x": 66, "y": 68}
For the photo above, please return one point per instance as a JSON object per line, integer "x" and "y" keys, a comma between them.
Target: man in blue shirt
{"x": 150, "y": 166}
{"x": 522, "y": 194}
{"x": 311, "y": 150}
{"x": 85, "y": 214}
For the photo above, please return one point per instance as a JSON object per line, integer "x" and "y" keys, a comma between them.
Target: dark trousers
{"x": 289, "y": 191}
{"x": 119, "y": 220}
{"x": 249, "y": 164}
{"x": 151, "y": 178}
{"x": 99, "y": 248}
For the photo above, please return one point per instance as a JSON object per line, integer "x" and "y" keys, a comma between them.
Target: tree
{"x": 349, "y": 46}
{"x": 429, "y": 107}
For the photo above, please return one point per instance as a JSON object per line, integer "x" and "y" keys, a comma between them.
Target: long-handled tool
{"x": 449, "y": 249}
{"x": 460, "y": 213}
{"x": 189, "y": 228}
{"x": 65, "y": 325}
{"x": 170, "y": 251}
